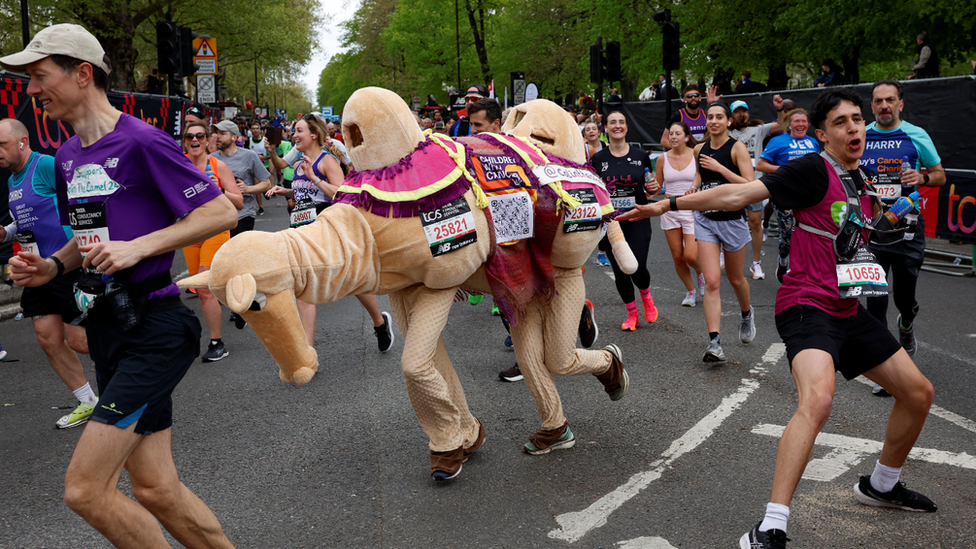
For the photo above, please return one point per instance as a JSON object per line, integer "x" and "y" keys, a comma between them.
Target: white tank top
{"x": 678, "y": 182}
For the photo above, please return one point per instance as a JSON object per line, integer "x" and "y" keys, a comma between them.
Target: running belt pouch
{"x": 128, "y": 303}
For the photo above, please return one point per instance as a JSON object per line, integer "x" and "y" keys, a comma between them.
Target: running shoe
{"x": 907, "y": 339}
{"x": 650, "y": 311}
{"x": 475, "y": 299}
{"x": 747, "y": 329}
{"x": 494, "y": 309}
{"x": 701, "y": 286}
{"x": 721, "y": 259}
{"x": 238, "y": 321}
{"x": 601, "y": 258}
{"x": 765, "y": 233}
{"x": 757, "y": 272}
{"x": 879, "y": 391}
{"x": 508, "y": 342}
{"x": 782, "y": 267}
{"x": 690, "y": 299}
{"x": 565, "y": 440}
{"x": 630, "y": 324}
{"x": 384, "y": 333}
{"x": 898, "y": 498}
{"x": 260, "y": 211}
{"x": 714, "y": 352}
{"x": 3, "y": 353}
{"x": 618, "y": 374}
{"x": 191, "y": 291}
{"x": 78, "y": 417}
{"x": 215, "y": 351}
{"x": 588, "y": 330}
{"x": 511, "y": 374}
{"x": 770, "y": 539}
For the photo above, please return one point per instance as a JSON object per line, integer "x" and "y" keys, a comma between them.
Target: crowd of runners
{"x": 97, "y": 233}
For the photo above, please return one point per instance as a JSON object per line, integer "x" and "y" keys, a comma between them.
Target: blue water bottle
{"x": 901, "y": 208}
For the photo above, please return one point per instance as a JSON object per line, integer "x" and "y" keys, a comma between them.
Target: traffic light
{"x": 596, "y": 64}
{"x": 612, "y": 66}
{"x": 671, "y": 45}
{"x": 168, "y": 47}
{"x": 187, "y": 66}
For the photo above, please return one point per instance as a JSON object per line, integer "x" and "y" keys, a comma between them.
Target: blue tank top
{"x": 39, "y": 227}
{"x": 303, "y": 187}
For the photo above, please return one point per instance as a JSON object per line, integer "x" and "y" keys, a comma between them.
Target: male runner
{"x": 256, "y": 144}
{"x": 690, "y": 114}
{"x": 462, "y": 127}
{"x": 823, "y": 332}
{"x": 132, "y": 198}
{"x": 252, "y": 177}
{"x": 34, "y": 206}
{"x": 890, "y": 141}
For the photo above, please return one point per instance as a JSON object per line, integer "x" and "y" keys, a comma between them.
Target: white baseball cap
{"x": 63, "y": 39}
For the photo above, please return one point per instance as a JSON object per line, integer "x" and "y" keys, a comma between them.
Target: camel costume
{"x": 415, "y": 223}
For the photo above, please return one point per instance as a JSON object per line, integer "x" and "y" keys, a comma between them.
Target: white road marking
{"x": 573, "y": 526}
{"x": 943, "y": 352}
{"x": 864, "y": 447}
{"x": 645, "y": 543}
{"x": 937, "y": 411}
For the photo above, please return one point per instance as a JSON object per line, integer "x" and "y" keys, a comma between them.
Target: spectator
{"x": 928, "y": 61}
{"x": 650, "y": 93}
{"x": 748, "y": 86}
{"x": 614, "y": 98}
{"x": 667, "y": 91}
{"x": 154, "y": 84}
{"x": 831, "y": 75}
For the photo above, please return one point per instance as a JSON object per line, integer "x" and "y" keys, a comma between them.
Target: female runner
{"x": 678, "y": 169}
{"x": 315, "y": 183}
{"x": 200, "y": 256}
{"x": 723, "y": 160}
{"x": 622, "y": 167}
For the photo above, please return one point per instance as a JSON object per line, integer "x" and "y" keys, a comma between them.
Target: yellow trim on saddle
{"x": 459, "y": 156}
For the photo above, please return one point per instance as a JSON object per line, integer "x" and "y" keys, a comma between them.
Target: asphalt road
{"x": 685, "y": 460}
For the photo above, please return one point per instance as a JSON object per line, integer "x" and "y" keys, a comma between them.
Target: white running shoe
{"x": 690, "y": 299}
{"x": 757, "y": 272}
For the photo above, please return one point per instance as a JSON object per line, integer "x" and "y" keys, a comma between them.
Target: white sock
{"x": 884, "y": 478}
{"x": 85, "y": 394}
{"x": 775, "y": 519}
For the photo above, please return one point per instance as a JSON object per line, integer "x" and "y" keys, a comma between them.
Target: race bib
{"x": 28, "y": 243}
{"x": 303, "y": 213}
{"x": 587, "y": 216}
{"x": 449, "y": 228}
{"x": 624, "y": 197}
{"x": 888, "y": 191}
{"x": 554, "y": 173}
{"x": 89, "y": 223}
{"x": 861, "y": 276}
{"x": 513, "y": 216}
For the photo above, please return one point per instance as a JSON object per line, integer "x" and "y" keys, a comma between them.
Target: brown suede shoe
{"x": 615, "y": 380}
{"x": 477, "y": 442}
{"x": 446, "y": 465}
{"x": 546, "y": 441}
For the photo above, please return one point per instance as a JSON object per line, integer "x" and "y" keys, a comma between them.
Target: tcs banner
{"x": 950, "y": 210}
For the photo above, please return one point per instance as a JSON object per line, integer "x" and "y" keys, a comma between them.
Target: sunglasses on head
{"x": 308, "y": 117}
{"x": 692, "y": 95}
{"x": 190, "y": 136}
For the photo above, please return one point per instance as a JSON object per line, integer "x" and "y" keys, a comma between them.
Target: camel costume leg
{"x": 552, "y": 351}
{"x": 433, "y": 385}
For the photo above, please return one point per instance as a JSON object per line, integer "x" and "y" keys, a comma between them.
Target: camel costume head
{"x": 352, "y": 250}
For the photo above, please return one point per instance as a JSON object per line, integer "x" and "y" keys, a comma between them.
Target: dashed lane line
{"x": 937, "y": 411}
{"x": 575, "y": 525}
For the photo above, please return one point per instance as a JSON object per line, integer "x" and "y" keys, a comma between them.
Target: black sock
{"x": 713, "y": 336}
{"x": 745, "y": 314}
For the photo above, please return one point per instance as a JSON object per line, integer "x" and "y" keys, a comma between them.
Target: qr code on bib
{"x": 512, "y": 215}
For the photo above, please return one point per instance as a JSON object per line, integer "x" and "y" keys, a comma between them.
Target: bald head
{"x": 16, "y": 128}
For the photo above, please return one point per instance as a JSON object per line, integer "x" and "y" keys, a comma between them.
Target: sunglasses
{"x": 190, "y": 136}
{"x": 692, "y": 95}
{"x": 308, "y": 117}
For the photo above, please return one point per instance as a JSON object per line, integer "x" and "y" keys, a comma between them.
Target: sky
{"x": 335, "y": 13}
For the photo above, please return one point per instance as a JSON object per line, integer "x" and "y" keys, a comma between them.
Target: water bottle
{"x": 901, "y": 207}
{"x": 906, "y": 164}
{"x": 648, "y": 178}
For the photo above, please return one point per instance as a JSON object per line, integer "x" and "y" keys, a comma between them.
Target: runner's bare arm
{"x": 723, "y": 197}
{"x": 32, "y": 270}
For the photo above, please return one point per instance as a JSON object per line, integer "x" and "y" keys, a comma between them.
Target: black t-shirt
{"x": 625, "y": 173}
{"x": 802, "y": 183}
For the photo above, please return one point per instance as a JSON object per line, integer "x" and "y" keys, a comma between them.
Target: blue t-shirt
{"x": 783, "y": 148}
{"x": 42, "y": 182}
{"x": 885, "y": 149}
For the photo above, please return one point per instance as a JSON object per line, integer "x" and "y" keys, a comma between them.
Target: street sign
{"x": 205, "y": 55}
{"x": 518, "y": 88}
{"x": 206, "y": 88}
{"x": 326, "y": 111}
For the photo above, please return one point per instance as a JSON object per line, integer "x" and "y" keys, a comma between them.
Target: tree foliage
{"x": 779, "y": 41}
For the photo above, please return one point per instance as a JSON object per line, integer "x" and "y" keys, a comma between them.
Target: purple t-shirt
{"x": 131, "y": 182}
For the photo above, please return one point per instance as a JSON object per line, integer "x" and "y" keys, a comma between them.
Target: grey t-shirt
{"x": 247, "y": 167}
{"x": 294, "y": 155}
{"x": 752, "y": 137}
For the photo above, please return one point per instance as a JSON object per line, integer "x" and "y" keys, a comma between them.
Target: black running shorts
{"x": 856, "y": 343}
{"x": 54, "y": 298}
{"x": 137, "y": 370}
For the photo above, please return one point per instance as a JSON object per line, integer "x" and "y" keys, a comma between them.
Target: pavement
{"x": 685, "y": 460}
